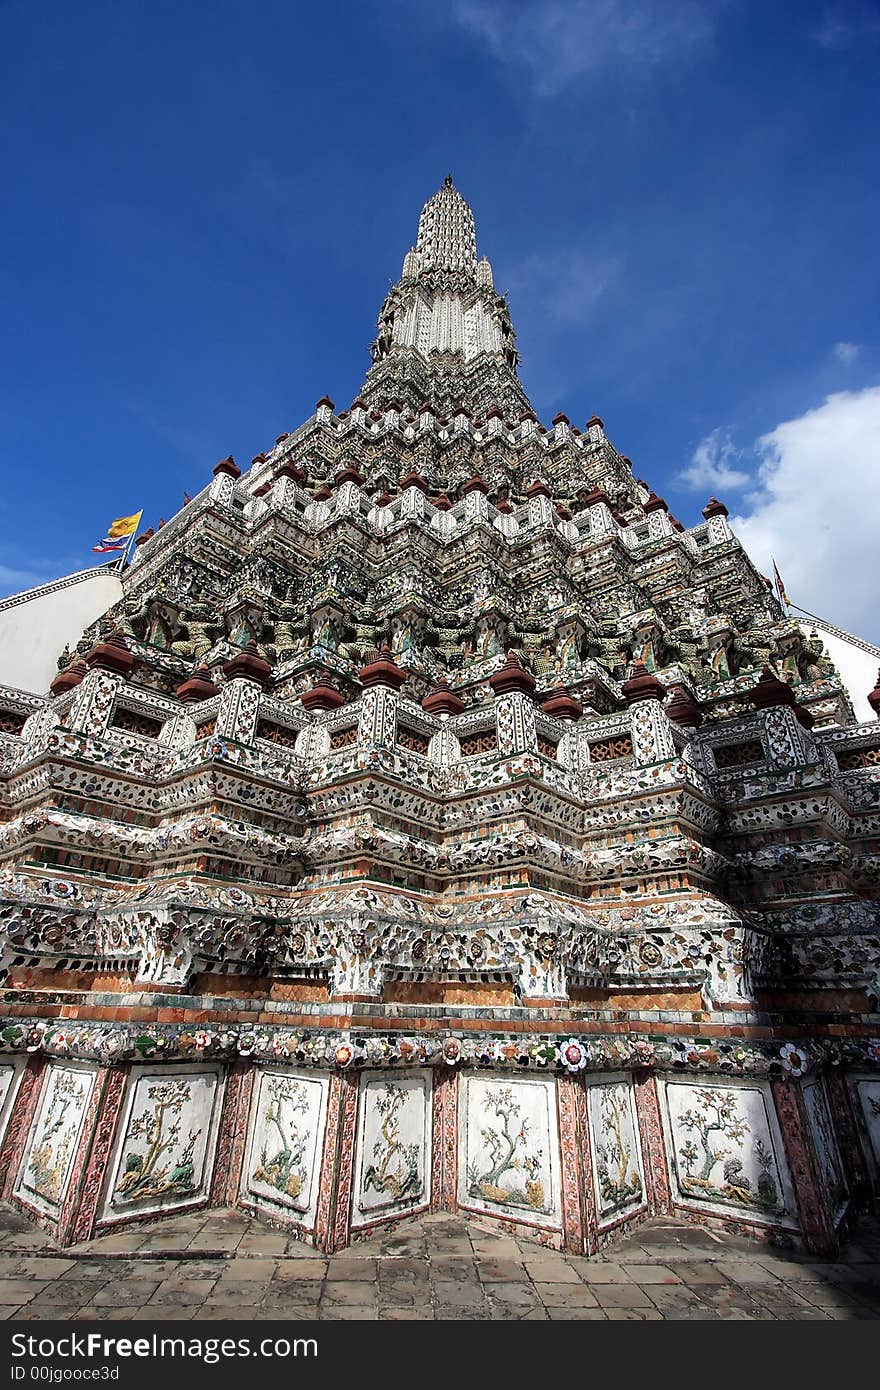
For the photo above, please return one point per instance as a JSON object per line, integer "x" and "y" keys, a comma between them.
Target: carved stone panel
{"x": 281, "y": 1170}
{"x": 394, "y": 1145}
{"x": 54, "y": 1135}
{"x": 616, "y": 1149}
{"x": 726, "y": 1150}
{"x": 509, "y": 1147}
{"x": 164, "y": 1152}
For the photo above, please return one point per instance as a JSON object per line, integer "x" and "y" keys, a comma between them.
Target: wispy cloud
{"x": 565, "y": 285}
{"x": 557, "y": 41}
{"x": 846, "y": 24}
{"x": 846, "y": 352}
{"x": 713, "y": 466}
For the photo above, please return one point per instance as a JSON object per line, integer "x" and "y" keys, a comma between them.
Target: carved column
{"x": 444, "y": 1140}
{"x": 815, "y": 1218}
{"x": 90, "y": 1162}
{"x": 19, "y": 1124}
{"x": 108, "y": 1094}
{"x": 232, "y": 1135}
{"x": 654, "y": 1161}
{"x": 579, "y": 1226}
{"x": 333, "y": 1217}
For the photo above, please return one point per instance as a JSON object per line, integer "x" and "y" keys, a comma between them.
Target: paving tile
{"x": 566, "y": 1295}
{"x": 20, "y": 1290}
{"x": 300, "y": 1270}
{"x": 239, "y": 1268}
{"x": 185, "y": 1295}
{"x": 406, "y": 1314}
{"x": 552, "y": 1271}
{"x": 621, "y": 1296}
{"x": 596, "y": 1314}
{"x": 512, "y": 1293}
{"x": 136, "y": 1291}
{"x": 347, "y": 1313}
{"x": 745, "y": 1272}
{"x": 700, "y": 1272}
{"x": 634, "y": 1314}
{"x": 349, "y": 1291}
{"x": 601, "y": 1273}
{"x": 457, "y": 1292}
{"x": 652, "y": 1274}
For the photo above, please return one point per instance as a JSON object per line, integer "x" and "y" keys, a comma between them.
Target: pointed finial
{"x": 447, "y": 182}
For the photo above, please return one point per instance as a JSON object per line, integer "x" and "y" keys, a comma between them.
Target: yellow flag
{"x": 124, "y": 526}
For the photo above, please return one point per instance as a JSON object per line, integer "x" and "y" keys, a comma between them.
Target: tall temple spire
{"x": 447, "y": 238}
{"x": 444, "y": 333}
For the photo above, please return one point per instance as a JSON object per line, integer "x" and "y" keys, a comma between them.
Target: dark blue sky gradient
{"x": 204, "y": 204}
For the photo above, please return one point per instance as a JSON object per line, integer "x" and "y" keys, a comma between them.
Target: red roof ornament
{"x": 442, "y": 700}
{"x": 325, "y": 401}
{"x": 642, "y": 686}
{"x": 197, "y": 687}
{"x": 248, "y": 665}
{"x": 227, "y": 465}
{"x": 349, "y": 474}
{"x": 474, "y": 484}
{"x": 322, "y": 493}
{"x": 383, "y": 671}
{"x": 322, "y": 696}
{"x": 771, "y": 691}
{"x": 654, "y": 504}
{"x": 442, "y": 503}
{"x": 289, "y": 469}
{"x": 560, "y": 419}
{"x": 714, "y": 508}
{"x": 874, "y": 697}
{"x": 513, "y": 676}
{"x": 562, "y": 705}
{"x": 595, "y": 421}
{"x": 414, "y": 479}
{"x": 683, "y": 709}
{"x": 69, "y": 678}
{"x": 112, "y": 654}
{"x": 538, "y": 489}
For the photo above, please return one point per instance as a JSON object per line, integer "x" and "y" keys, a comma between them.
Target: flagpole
{"x": 130, "y": 543}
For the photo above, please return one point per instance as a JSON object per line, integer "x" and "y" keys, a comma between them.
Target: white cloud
{"x": 846, "y": 352}
{"x": 816, "y": 509}
{"x": 712, "y": 466}
{"x": 559, "y": 40}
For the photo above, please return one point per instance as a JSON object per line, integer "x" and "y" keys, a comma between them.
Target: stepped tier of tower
{"x": 434, "y": 797}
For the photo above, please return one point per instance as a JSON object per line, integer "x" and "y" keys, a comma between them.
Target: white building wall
{"x": 35, "y": 626}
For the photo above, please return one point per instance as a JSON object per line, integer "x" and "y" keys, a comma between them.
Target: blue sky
{"x": 205, "y": 202}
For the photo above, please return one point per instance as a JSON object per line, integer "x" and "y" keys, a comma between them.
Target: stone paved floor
{"x": 222, "y": 1264}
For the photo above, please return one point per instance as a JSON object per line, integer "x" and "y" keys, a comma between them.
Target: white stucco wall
{"x": 35, "y": 626}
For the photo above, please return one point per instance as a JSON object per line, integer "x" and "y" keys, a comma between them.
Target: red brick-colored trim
{"x": 654, "y": 1158}
{"x": 232, "y": 1134}
{"x": 327, "y": 1179}
{"x": 444, "y": 1140}
{"x": 815, "y": 1218}
{"x": 19, "y": 1124}
{"x": 574, "y": 1152}
{"x": 110, "y": 1091}
{"x": 345, "y": 1165}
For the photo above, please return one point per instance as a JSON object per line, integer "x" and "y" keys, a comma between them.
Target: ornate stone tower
{"x": 437, "y": 821}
